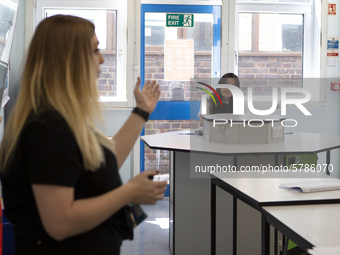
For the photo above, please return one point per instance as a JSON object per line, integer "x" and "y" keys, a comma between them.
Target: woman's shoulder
{"x": 45, "y": 120}
{"x": 45, "y": 116}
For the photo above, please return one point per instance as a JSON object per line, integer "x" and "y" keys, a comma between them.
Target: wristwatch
{"x": 144, "y": 114}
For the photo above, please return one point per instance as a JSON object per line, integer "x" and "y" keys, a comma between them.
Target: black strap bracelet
{"x": 145, "y": 115}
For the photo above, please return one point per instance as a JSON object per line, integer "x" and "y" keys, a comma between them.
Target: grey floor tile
{"x": 151, "y": 237}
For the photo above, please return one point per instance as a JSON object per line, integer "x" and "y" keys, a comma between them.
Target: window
{"x": 109, "y": 18}
{"x": 276, "y": 47}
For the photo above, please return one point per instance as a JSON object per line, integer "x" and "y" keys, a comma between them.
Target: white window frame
{"x": 312, "y": 48}
{"x": 125, "y": 92}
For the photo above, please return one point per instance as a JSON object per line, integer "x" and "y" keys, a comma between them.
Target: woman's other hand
{"x": 146, "y": 191}
{"x": 147, "y": 98}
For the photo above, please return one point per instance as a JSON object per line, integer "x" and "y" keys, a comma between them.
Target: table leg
{"x": 276, "y": 160}
{"x": 328, "y": 161}
{"x": 265, "y": 236}
{"x": 235, "y": 216}
{"x": 275, "y": 241}
{"x": 234, "y": 226}
{"x": 213, "y": 219}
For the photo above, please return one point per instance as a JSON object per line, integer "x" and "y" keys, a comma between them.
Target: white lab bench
{"x": 190, "y": 191}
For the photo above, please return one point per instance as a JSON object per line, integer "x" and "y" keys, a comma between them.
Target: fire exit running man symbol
{"x": 187, "y": 20}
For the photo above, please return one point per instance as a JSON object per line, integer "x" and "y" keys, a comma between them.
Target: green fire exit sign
{"x": 180, "y": 20}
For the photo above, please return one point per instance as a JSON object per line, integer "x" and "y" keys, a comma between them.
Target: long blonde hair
{"x": 60, "y": 73}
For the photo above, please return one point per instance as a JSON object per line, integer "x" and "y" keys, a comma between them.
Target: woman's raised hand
{"x": 147, "y": 98}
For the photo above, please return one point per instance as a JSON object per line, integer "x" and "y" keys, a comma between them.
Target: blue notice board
{"x": 332, "y": 44}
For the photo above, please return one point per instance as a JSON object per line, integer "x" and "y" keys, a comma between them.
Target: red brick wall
{"x": 260, "y": 72}
{"x": 107, "y": 79}
{"x": 263, "y": 73}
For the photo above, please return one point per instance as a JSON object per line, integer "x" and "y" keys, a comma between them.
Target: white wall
{"x": 114, "y": 119}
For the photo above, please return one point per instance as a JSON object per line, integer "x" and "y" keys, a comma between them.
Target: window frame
{"x": 121, "y": 30}
{"x": 311, "y": 43}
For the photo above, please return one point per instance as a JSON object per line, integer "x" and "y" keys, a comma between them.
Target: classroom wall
{"x": 114, "y": 119}
{"x": 325, "y": 120}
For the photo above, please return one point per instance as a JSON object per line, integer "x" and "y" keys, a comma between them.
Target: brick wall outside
{"x": 262, "y": 73}
{"x": 107, "y": 79}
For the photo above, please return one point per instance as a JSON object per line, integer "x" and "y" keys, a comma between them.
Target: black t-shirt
{"x": 47, "y": 153}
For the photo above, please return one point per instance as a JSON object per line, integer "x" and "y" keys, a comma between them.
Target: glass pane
{"x": 280, "y": 32}
{"x": 245, "y": 32}
{"x": 272, "y": 57}
{"x": 105, "y": 22}
{"x": 158, "y": 62}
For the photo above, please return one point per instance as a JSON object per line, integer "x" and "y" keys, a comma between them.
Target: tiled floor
{"x": 151, "y": 237}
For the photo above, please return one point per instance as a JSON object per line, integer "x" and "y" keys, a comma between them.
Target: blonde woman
{"x": 59, "y": 173}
